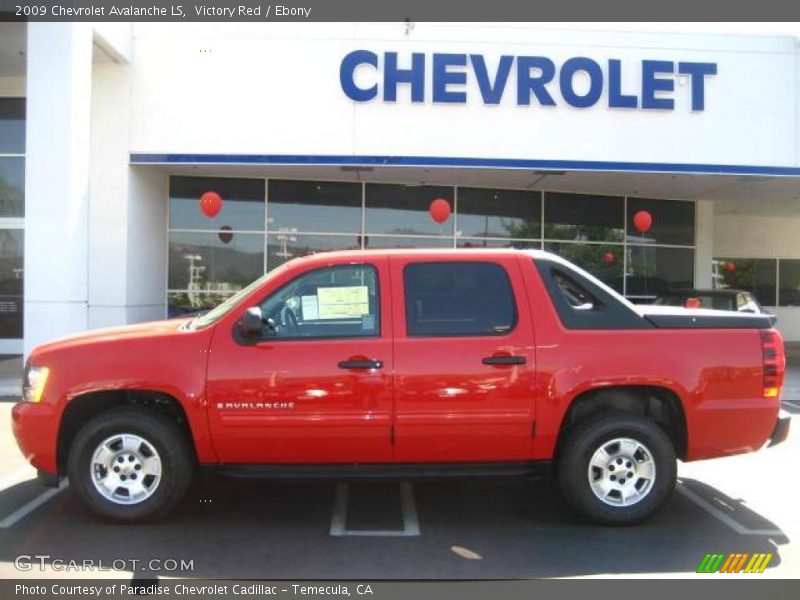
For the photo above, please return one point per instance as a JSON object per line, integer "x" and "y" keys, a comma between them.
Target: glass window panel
{"x": 604, "y": 261}
{"x": 381, "y": 241}
{"x": 186, "y": 304}
{"x": 653, "y": 271}
{"x": 12, "y": 187}
{"x": 756, "y": 275}
{"x": 499, "y": 213}
{"x": 205, "y": 262}
{"x": 242, "y": 203}
{"x": 335, "y": 302}
{"x": 458, "y": 298}
{"x": 314, "y": 206}
{"x": 790, "y": 283}
{"x": 672, "y": 222}
{"x": 484, "y": 243}
{"x": 12, "y": 125}
{"x": 286, "y": 246}
{"x": 404, "y": 209}
{"x": 11, "y": 282}
{"x": 582, "y": 217}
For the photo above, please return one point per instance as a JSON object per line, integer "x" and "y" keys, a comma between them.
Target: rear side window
{"x": 575, "y": 295}
{"x": 583, "y": 304}
{"x": 446, "y": 299}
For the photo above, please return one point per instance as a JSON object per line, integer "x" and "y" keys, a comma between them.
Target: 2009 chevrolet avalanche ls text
{"x": 406, "y": 363}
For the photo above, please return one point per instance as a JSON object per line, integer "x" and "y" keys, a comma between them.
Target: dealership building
{"x": 151, "y": 170}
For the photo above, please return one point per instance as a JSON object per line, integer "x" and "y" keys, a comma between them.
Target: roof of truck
{"x": 428, "y": 251}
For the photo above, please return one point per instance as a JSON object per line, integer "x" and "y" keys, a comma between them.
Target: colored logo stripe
{"x": 711, "y": 563}
{"x": 734, "y": 563}
{"x": 758, "y": 563}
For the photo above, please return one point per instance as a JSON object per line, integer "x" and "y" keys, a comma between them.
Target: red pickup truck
{"x": 409, "y": 364}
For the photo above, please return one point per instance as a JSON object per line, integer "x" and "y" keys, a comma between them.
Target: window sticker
{"x": 310, "y": 308}
{"x": 343, "y": 302}
{"x": 367, "y": 322}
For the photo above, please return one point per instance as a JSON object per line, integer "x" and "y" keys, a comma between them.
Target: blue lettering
{"x": 442, "y": 77}
{"x": 697, "y": 73}
{"x": 347, "y": 72}
{"x": 393, "y": 75}
{"x": 527, "y": 84}
{"x": 450, "y": 81}
{"x": 567, "y": 78}
{"x": 491, "y": 93}
{"x": 616, "y": 99}
{"x": 652, "y": 84}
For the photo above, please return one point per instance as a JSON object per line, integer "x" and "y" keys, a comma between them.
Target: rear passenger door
{"x": 464, "y": 360}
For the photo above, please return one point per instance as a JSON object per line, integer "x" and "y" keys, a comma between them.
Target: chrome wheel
{"x": 622, "y": 472}
{"x": 126, "y": 469}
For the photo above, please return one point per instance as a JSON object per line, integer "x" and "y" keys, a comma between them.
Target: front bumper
{"x": 781, "y": 430}
{"x": 35, "y": 426}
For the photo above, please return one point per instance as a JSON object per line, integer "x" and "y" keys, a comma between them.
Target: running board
{"x": 385, "y": 471}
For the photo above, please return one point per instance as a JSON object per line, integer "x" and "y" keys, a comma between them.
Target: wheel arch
{"x": 83, "y": 407}
{"x": 661, "y": 404}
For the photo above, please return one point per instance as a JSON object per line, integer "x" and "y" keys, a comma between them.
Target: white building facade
{"x": 150, "y": 170}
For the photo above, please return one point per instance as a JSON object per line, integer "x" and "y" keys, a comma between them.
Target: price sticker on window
{"x": 343, "y": 302}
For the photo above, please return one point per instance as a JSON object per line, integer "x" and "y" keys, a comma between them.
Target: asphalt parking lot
{"x": 454, "y": 529}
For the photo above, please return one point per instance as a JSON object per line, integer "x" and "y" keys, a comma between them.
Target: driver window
{"x": 335, "y": 302}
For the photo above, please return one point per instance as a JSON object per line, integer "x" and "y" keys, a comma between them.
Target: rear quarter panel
{"x": 716, "y": 373}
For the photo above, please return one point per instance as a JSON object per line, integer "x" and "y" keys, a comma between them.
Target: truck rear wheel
{"x": 617, "y": 469}
{"x": 130, "y": 464}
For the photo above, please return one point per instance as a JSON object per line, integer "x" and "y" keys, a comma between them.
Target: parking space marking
{"x": 720, "y": 515}
{"x": 26, "y": 509}
{"x": 407, "y": 504}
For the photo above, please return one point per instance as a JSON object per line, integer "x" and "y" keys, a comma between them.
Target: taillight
{"x": 774, "y": 362}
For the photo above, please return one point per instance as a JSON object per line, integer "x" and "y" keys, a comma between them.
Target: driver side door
{"x": 316, "y": 386}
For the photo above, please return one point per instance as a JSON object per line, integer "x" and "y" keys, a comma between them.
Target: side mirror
{"x": 251, "y": 324}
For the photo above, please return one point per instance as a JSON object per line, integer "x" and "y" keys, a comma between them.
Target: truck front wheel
{"x": 130, "y": 464}
{"x": 617, "y": 469}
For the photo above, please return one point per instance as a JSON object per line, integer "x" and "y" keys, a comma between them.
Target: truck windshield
{"x": 216, "y": 313}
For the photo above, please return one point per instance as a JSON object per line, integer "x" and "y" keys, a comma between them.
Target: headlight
{"x": 33, "y": 383}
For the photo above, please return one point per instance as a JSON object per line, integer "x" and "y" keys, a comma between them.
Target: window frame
{"x": 513, "y": 326}
{"x": 378, "y": 325}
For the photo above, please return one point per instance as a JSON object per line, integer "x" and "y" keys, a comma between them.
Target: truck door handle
{"x": 503, "y": 360}
{"x": 367, "y": 363}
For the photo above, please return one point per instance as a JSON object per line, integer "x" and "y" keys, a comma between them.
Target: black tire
{"x": 171, "y": 444}
{"x": 574, "y": 462}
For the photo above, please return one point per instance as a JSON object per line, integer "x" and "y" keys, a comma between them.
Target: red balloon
{"x": 608, "y": 257}
{"x": 693, "y": 303}
{"x": 225, "y": 234}
{"x": 730, "y": 267}
{"x": 440, "y": 210}
{"x": 643, "y": 221}
{"x": 210, "y": 204}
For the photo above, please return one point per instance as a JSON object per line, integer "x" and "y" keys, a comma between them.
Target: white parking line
{"x": 727, "y": 519}
{"x": 407, "y": 505}
{"x": 26, "y": 509}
